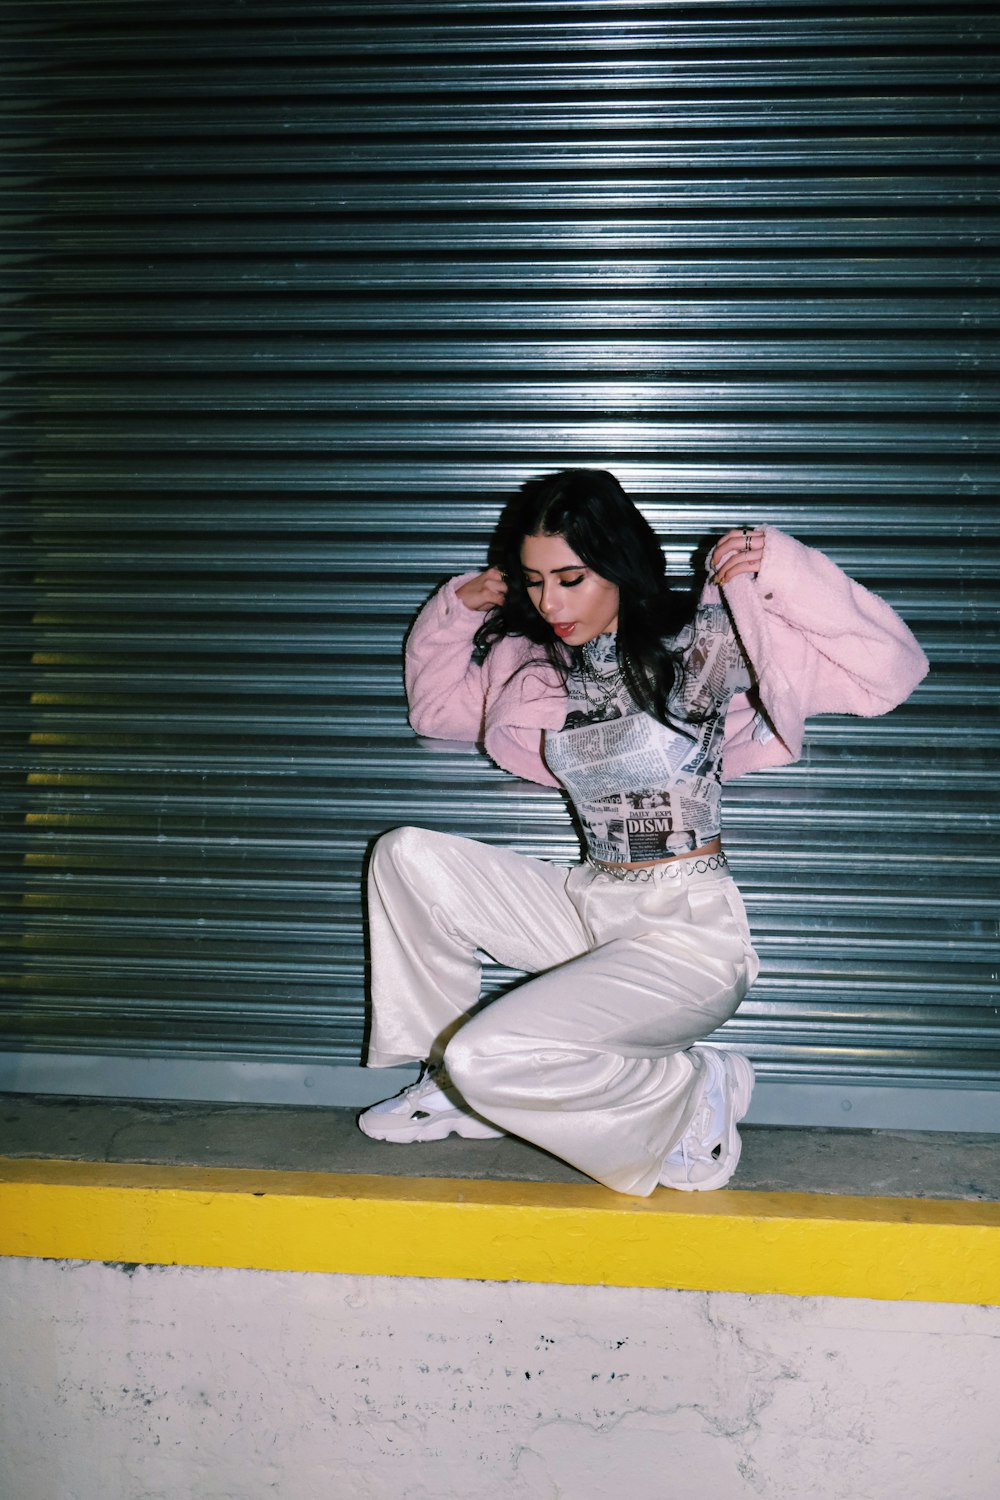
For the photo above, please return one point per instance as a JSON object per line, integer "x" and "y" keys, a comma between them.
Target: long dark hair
{"x": 589, "y": 508}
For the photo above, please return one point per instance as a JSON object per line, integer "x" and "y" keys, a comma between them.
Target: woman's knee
{"x": 402, "y": 853}
{"x": 411, "y": 846}
{"x": 484, "y": 1063}
{"x": 473, "y": 1059}
{"x": 391, "y": 845}
{"x": 462, "y": 1060}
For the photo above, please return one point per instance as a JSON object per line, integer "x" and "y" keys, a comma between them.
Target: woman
{"x": 575, "y": 664}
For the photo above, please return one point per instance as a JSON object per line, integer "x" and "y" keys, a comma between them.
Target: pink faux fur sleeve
{"x": 445, "y": 688}
{"x": 817, "y": 642}
{"x": 506, "y": 703}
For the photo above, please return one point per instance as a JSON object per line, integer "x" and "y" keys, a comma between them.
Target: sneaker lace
{"x": 433, "y": 1080}
{"x": 693, "y": 1145}
{"x": 700, "y": 1141}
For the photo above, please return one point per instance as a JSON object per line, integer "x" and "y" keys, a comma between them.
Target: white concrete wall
{"x": 164, "y": 1384}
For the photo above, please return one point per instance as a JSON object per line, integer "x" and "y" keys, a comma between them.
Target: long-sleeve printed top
{"x": 816, "y": 642}
{"x": 644, "y": 790}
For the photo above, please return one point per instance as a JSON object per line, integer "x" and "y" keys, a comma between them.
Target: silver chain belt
{"x": 668, "y": 868}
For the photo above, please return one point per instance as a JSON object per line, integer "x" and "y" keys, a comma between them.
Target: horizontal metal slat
{"x": 614, "y": 191}
{"x": 31, "y": 13}
{"x": 350, "y": 157}
{"x": 491, "y": 263}
{"x": 384, "y": 397}
{"x": 956, "y": 70}
{"x": 656, "y": 313}
{"x": 142, "y": 37}
{"x": 743, "y": 483}
{"x": 209, "y": 354}
{"x": 313, "y": 562}
{"x": 850, "y": 111}
{"x": 858, "y": 535}
{"x": 550, "y": 435}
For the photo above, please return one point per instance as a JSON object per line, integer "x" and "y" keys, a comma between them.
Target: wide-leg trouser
{"x": 588, "y": 1059}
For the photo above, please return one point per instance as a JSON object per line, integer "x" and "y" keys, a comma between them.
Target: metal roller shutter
{"x": 296, "y": 296}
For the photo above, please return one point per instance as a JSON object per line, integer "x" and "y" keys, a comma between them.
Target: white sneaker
{"x": 709, "y": 1150}
{"x": 428, "y": 1110}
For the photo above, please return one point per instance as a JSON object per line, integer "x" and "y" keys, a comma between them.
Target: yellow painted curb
{"x": 800, "y": 1244}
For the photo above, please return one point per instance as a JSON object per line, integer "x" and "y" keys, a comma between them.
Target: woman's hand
{"x": 738, "y": 552}
{"x": 483, "y": 592}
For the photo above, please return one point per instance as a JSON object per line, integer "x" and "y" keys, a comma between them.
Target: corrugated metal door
{"x": 297, "y": 296}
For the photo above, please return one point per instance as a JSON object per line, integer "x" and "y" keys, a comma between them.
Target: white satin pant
{"x": 589, "y": 1058}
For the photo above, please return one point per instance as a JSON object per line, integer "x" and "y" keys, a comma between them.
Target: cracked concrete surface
{"x": 239, "y": 1385}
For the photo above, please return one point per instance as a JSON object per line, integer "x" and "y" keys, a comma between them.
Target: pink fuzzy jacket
{"x": 816, "y": 641}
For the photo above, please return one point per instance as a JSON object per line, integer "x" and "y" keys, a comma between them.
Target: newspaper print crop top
{"x": 642, "y": 790}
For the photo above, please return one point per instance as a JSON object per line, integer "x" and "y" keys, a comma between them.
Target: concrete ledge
{"x": 798, "y": 1244}
{"x": 833, "y": 1102}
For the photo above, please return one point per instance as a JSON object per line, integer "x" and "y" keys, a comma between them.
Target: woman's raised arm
{"x": 445, "y": 689}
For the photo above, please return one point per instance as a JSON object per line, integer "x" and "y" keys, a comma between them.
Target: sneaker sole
{"x": 740, "y": 1071}
{"x": 407, "y": 1132}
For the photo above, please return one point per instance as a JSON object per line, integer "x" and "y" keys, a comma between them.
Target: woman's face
{"x": 577, "y": 602}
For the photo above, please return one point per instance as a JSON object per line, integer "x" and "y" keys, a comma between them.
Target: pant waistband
{"x": 664, "y": 869}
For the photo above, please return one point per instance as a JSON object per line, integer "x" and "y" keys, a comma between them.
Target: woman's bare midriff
{"x": 714, "y": 846}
